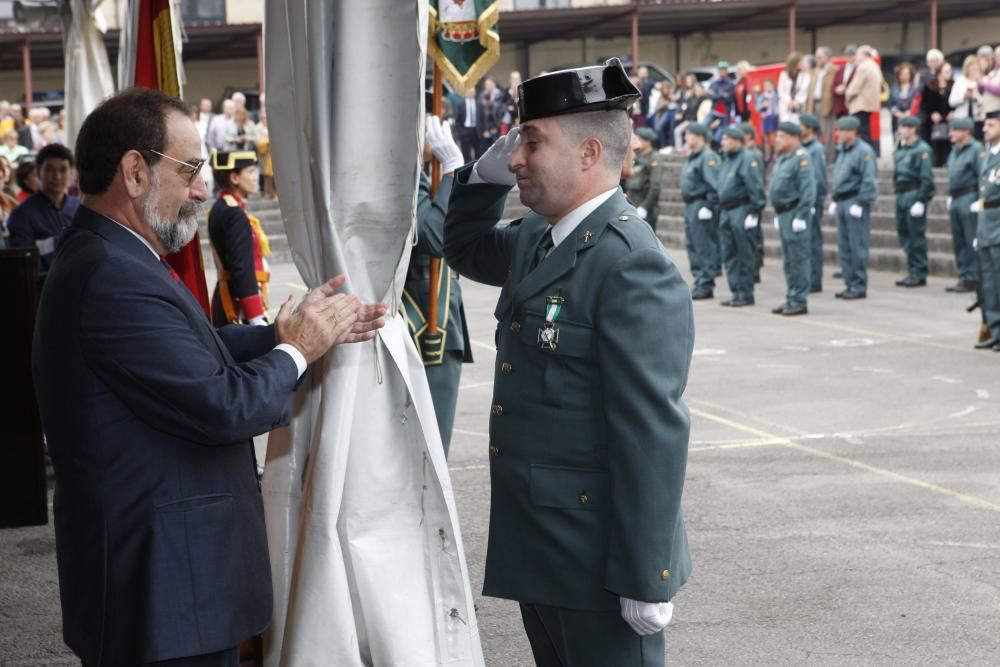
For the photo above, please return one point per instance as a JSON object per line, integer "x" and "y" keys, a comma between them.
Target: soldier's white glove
{"x": 947, "y": 203}
{"x": 975, "y": 244}
{"x": 641, "y": 211}
{"x": 259, "y": 321}
{"x": 856, "y": 211}
{"x": 443, "y": 145}
{"x": 646, "y": 618}
{"x": 798, "y": 225}
{"x": 976, "y": 206}
{"x": 777, "y": 226}
{"x": 750, "y": 222}
{"x": 832, "y": 210}
{"x": 492, "y": 166}
{"x": 917, "y": 210}
{"x": 704, "y": 213}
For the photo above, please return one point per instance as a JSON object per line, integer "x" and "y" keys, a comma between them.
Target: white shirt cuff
{"x": 293, "y": 352}
{"x": 474, "y": 177}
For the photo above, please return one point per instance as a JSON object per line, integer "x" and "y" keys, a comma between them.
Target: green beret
{"x": 697, "y": 128}
{"x": 734, "y": 132}
{"x": 790, "y": 128}
{"x": 909, "y": 121}
{"x": 848, "y": 123}
{"x": 809, "y": 120}
{"x": 962, "y": 124}
{"x": 646, "y": 133}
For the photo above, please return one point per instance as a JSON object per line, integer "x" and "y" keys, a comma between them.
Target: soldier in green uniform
{"x": 643, "y": 188}
{"x": 588, "y": 433}
{"x": 445, "y": 350}
{"x": 964, "y": 164}
{"x": 793, "y": 196}
{"x": 757, "y": 161}
{"x": 817, "y": 157}
{"x": 855, "y": 189}
{"x": 699, "y": 181}
{"x": 913, "y": 181}
{"x": 741, "y": 197}
{"x": 988, "y": 237}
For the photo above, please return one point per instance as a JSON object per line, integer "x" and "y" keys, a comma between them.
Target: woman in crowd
{"x": 742, "y": 95}
{"x": 697, "y": 108}
{"x": 767, "y": 107}
{"x": 11, "y": 150}
{"x": 264, "y": 153}
{"x": 965, "y": 98}
{"x": 26, "y": 178}
{"x": 241, "y": 133}
{"x": 8, "y": 202}
{"x": 791, "y": 89}
{"x": 935, "y": 113}
{"x": 660, "y": 115}
{"x": 902, "y": 93}
{"x": 509, "y": 116}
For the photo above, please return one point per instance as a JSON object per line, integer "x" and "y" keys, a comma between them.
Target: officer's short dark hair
{"x": 53, "y": 152}
{"x": 133, "y": 120}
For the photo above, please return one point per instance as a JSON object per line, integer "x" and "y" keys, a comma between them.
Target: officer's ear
{"x": 134, "y": 172}
{"x": 591, "y": 151}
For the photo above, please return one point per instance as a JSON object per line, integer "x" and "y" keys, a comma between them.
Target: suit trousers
{"x": 443, "y": 379}
{"x": 826, "y": 125}
{"x": 912, "y": 233}
{"x": 737, "y": 251}
{"x": 468, "y": 140}
{"x": 227, "y": 658}
{"x": 700, "y": 239}
{"x": 865, "y": 131}
{"x": 963, "y": 231}
{"x": 571, "y": 638}
{"x": 989, "y": 268}
{"x": 816, "y": 247}
{"x": 853, "y": 237}
{"x": 795, "y": 253}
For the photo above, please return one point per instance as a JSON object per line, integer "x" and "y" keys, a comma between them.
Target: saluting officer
{"x": 757, "y": 162}
{"x": 238, "y": 241}
{"x": 988, "y": 236}
{"x": 699, "y": 182}
{"x": 964, "y": 165}
{"x": 913, "y": 182}
{"x": 793, "y": 195}
{"x": 817, "y": 158}
{"x": 586, "y": 529}
{"x": 855, "y": 189}
{"x": 741, "y": 198}
{"x": 643, "y": 188}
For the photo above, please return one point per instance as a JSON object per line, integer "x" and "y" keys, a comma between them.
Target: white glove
{"x": 798, "y": 225}
{"x": 777, "y": 227}
{"x": 812, "y": 211}
{"x": 750, "y": 222}
{"x": 976, "y": 206}
{"x": 646, "y": 618}
{"x": 947, "y": 203}
{"x": 492, "y": 166}
{"x": 641, "y": 211}
{"x": 917, "y": 210}
{"x": 832, "y": 210}
{"x": 856, "y": 211}
{"x": 259, "y": 321}
{"x": 975, "y": 244}
{"x": 704, "y": 213}
{"x": 443, "y": 145}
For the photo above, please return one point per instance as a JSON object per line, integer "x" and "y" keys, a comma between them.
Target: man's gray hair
{"x": 613, "y": 128}
{"x": 826, "y": 51}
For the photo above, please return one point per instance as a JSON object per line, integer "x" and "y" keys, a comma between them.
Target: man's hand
{"x": 832, "y": 210}
{"x": 704, "y": 213}
{"x": 646, "y": 618}
{"x": 976, "y": 206}
{"x": 492, "y": 166}
{"x": 442, "y": 143}
{"x": 317, "y": 326}
{"x": 641, "y": 210}
{"x": 917, "y": 210}
{"x": 947, "y": 203}
{"x": 798, "y": 225}
{"x": 856, "y": 211}
{"x": 750, "y": 222}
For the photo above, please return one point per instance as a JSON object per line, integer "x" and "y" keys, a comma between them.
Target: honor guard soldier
{"x": 817, "y": 158}
{"x": 239, "y": 244}
{"x": 793, "y": 195}
{"x": 988, "y": 236}
{"x": 588, "y": 433}
{"x": 444, "y": 351}
{"x": 913, "y": 181}
{"x": 964, "y": 164}
{"x": 741, "y": 198}
{"x": 757, "y": 161}
{"x": 699, "y": 182}
{"x": 643, "y": 188}
{"x": 854, "y": 190}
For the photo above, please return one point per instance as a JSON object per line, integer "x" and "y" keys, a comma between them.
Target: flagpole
{"x": 432, "y": 300}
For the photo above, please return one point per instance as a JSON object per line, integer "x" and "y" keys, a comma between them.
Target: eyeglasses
{"x": 190, "y": 171}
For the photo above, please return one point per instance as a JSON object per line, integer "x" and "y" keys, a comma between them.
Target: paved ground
{"x": 843, "y": 491}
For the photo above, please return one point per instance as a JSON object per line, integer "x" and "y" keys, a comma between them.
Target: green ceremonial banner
{"x": 463, "y": 39}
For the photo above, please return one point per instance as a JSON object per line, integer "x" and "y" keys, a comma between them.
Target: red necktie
{"x": 173, "y": 274}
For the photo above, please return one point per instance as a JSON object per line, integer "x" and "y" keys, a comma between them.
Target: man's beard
{"x": 172, "y": 234}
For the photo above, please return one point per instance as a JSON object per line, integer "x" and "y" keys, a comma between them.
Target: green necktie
{"x": 544, "y": 246}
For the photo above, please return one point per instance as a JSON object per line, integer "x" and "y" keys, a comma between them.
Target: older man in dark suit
{"x": 150, "y": 411}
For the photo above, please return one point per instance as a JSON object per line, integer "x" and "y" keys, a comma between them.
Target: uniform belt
{"x": 964, "y": 191}
{"x": 693, "y": 198}
{"x": 992, "y": 203}
{"x": 729, "y": 206}
{"x": 786, "y": 208}
{"x": 905, "y": 187}
{"x": 850, "y": 194}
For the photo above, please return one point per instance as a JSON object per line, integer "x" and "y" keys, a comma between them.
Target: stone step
{"x": 886, "y": 201}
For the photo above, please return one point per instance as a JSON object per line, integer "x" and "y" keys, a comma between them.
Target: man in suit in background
{"x": 820, "y": 100}
{"x": 469, "y": 117}
{"x": 150, "y": 412}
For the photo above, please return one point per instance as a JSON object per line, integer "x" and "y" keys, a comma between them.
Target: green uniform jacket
{"x": 793, "y": 183}
{"x": 854, "y": 171}
{"x": 913, "y": 166}
{"x": 965, "y": 163}
{"x": 700, "y": 178}
{"x": 739, "y": 180}
{"x": 989, "y": 192}
{"x": 416, "y": 290}
{"x": 817, "y": 157}
{"x": 643, "y": 188}
{"x": 588, "y": 443}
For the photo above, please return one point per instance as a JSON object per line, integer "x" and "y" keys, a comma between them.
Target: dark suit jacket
{"x": 480, "y": 117}
{"x": 149, "y": 412}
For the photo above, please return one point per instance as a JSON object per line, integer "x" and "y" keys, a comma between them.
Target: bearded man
{"x": 150, "y": 412}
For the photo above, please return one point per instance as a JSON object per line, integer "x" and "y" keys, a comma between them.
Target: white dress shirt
{"x": 566, "y": 225}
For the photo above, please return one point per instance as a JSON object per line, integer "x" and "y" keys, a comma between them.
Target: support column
{"x": 635, "y": 40}
{"x": 934, "y": 24}
{"x": 791, "y": 26}
{"x": 260, "y": 63}
{"x": 26, "y": 66}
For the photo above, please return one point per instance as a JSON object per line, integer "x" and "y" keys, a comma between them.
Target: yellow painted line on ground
{"x": 483, "y": 345}
{"x": 889, "y": 474}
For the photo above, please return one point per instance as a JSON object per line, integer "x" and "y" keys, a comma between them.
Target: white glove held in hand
{"x": 947, "y": 203}
{"x": 492, "y": 166}
{"x": 856, "y": 211}
{"x": 750, "y": 222}
{"x": 975, "y": 244}
{"x": 704, "y": 213}
{"x": 976, "y": 206}
{"x": 443, "y": 145}
{"x": 832, "y": 210}
{"x": 641, "y": 211}
{"x": 917, "y": 210}
{"x": 798, "y": 225}
{"x": 646, "y": 618}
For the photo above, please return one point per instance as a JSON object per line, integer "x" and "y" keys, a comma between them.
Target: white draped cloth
{"x": 366, "y": 554}
{"x": 88, "y": 72}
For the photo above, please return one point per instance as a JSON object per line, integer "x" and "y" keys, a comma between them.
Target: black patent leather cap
{"x": 576, "y": 90}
